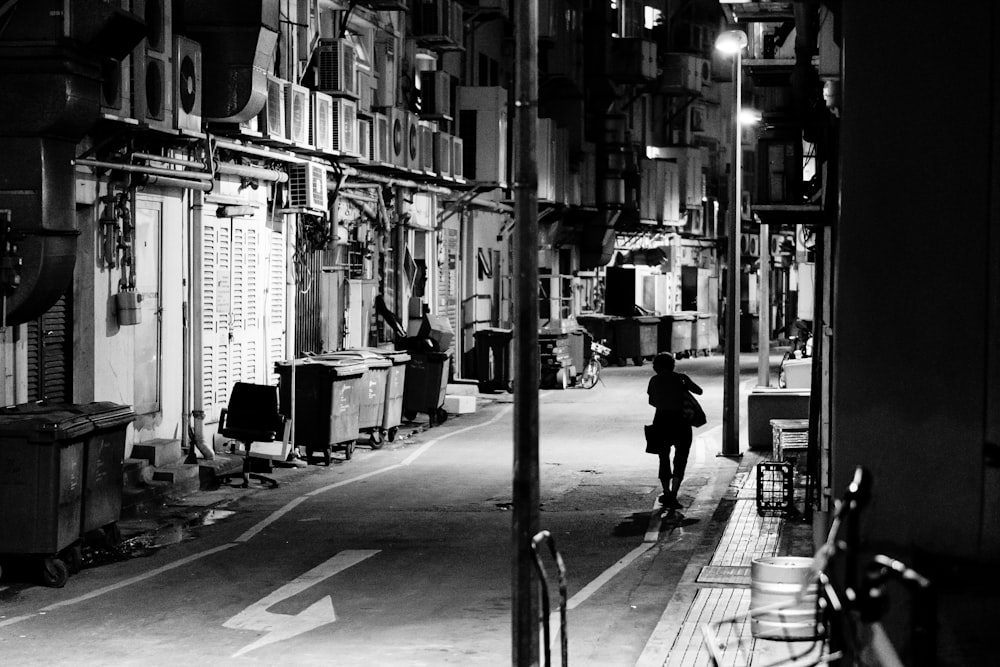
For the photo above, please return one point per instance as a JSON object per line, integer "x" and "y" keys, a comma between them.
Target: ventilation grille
{"x": 337, "y": 67}
{"x": 345, "y": 126}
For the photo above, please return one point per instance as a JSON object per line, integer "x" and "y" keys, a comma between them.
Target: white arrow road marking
{"x": 283, "y": 626}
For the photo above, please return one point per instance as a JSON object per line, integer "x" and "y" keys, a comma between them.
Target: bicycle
{"x": 849, "y": 606}
{"x": 592, "y": 370}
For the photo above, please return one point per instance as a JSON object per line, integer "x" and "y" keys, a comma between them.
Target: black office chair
{"x": 252, "y": 416}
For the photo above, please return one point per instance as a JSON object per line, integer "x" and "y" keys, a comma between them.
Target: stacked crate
{"x": 557, "y": 364}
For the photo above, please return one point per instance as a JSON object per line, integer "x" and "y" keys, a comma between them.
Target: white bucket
{"x": 774, "y": 583}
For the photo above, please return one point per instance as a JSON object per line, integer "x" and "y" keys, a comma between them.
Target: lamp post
{"x": 732, "y": 42}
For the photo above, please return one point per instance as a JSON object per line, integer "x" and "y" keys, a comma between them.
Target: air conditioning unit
{"x": 116, "y": 87}
{"x": 658, "y": 195}
{"x": 271, "y": 122}
{"x": 684, "y": 73}
{"x": 413, "y": 161}
{"x": 698, "y": 120}
{"x": 385, "y": 66}
{"x": 187, "y": 84}
{"x": 365, "y": 139}
{"x": 633, "y": 60}
{"x": 152, "y": 85}
{"x": 435, "y": 95}
{"x": 380, "y": 138}
{"x": 321, "y": 122}
{"x": 427, "y": 147}
{"x": 457, "y": 23}
{"x": 152, "y": 79}
{"x": 337, "y": 74}
{"x": 397, "y": 155}
{"x": 345, "y": 126}
{"x": 366, "y": 93}
{"x": 307, "y": 186}
{"x": 442, "y": 154}
{"x": 750, "y": 245}
{"x": 483, "y": 119}
{"x": 432, "y": 19}
{"x": 297, "y": 114}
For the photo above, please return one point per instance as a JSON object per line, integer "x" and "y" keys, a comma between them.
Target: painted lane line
{"x": 138, "y": 578}
{"x": 427, "y": 445}
{"x": 606, "y": 576}
{"x": 285, "y": 626}
{"x": 16, "y": 619}
{"x": 271, "y": 518}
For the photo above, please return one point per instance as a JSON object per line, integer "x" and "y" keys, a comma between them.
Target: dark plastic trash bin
{"x": 371, "y": 406}
{"x": 675, "y": 333}
{"x": 493, "y": 359}
{"x": 426, "y": 384}
{"x": 392, "y": 415}
{"x": 601, "y": 328}
{"x": 104, "y": 467}
{"x": 636, "y": 338}
{"x": 41, "y": 486}
{"x": 327, "y": 398}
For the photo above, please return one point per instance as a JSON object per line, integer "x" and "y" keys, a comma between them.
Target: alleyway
{"x": 401, "y": 556}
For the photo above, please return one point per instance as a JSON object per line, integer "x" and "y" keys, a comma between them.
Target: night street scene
{"x": 410, "y": 333}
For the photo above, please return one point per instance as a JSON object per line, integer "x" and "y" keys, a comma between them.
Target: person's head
{"x": 663, "y": 362}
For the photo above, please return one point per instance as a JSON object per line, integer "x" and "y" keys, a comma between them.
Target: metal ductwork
{"x": 238, "y": 39}
{"x": 50, "y": 78}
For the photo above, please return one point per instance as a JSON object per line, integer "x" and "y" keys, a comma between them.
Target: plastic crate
{"x": 775, "y": 488}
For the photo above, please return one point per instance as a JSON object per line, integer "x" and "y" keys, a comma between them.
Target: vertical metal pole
{"x": 525, "y": 607}
{"x": 764, "y": 309}
{"x": 731, "y": 388}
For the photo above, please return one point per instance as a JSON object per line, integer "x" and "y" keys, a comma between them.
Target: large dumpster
{"x": 41, "y": 486}
{"x": 493, "y": 359}
{"x": 675, "y": 333}
{"x": 426, "y": 384}
{"x": 637, "y": 338}
{"x": 374, "y": 382}
{"x": 326, "y": 403}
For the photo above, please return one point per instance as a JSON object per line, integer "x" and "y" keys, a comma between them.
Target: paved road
{"x": 401, "y": 556}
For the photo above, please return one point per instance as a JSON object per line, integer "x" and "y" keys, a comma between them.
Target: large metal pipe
{"x": 246, "y": 171}
{"x": 143, "y": 169}
{"x": 524, "y": 585}
{"x": 167, "y": 182}
{"x": 170, "y": 160}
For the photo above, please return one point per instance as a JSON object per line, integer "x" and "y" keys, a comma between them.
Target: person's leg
{"x": 664, "y": 473}
{"x": 681, "y": 452}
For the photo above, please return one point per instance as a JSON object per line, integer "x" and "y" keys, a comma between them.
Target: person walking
{"x": 672, "y": 430}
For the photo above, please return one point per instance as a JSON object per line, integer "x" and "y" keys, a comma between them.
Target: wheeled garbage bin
{"x": 326, "y": 397}
{"x": 41, "y": 487}
{"x": 637, "y": 338}
{"x": 104, "y": 468}
{"x": 371, "y": 405}
{"x": 426, "y": 384}
{"x": 701, "y": 334}
{"x": 493, "y": 359}
{"x": 392, "y": 415}
{"x": 675, "y": 333}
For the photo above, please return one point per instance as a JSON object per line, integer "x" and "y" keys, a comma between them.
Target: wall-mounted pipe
{"x": 168, "y": 182}
{"x": 171, "y": 160}
{"x": 246, "y": 171}
{"x": 142, "y": 169}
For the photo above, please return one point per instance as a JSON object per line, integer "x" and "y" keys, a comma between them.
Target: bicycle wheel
{"x": 590, "y": 374}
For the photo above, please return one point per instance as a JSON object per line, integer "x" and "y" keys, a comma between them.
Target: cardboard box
{"x": 459, "y": 405}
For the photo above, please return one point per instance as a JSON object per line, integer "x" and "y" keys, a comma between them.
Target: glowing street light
{"x": 732, "y": 43}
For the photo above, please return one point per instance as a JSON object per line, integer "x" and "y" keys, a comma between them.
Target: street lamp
{"x": 732, "y": 42}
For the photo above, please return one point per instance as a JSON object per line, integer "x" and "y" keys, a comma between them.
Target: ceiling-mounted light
{"x": 731, "y": 42}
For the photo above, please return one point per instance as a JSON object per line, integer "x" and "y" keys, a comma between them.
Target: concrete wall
{"x": 911, "y": 268}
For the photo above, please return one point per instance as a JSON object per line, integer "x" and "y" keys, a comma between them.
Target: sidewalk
{"x": 717, "y": 584}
